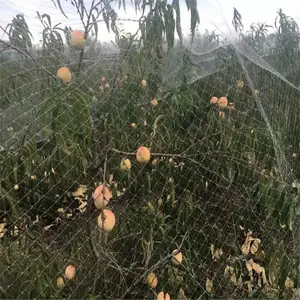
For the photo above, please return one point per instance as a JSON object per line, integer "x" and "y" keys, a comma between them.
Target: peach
{"x": 222, "y": 102}
{"x": 77, "y": 39}
{"x": 125, "y": 165}
{"x": 177, "y": 257}
{"x": 64, "y": 74}
{"x": 107, "y": 220}
{"x": 162, "y": 296}
{"x": 143, "y": 155}
{"x": 102, "y": 196}
{"x": 154, "y": 102}
{"x": 70, "y": 272}
{"x": 213, "y": 100}
{"x": 152, "y": 280}
{"x": 60, "y": 282}
{"x": 144, "y": 83}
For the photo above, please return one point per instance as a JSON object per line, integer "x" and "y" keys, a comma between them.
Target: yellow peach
{"x": 70, "y": 272}
{"x": 125, "y": 165}
{"x": 152, "y": 280}
{"x": 77, "y": 39}
{"x": 177, "y": 257}
{"x": 64, "y": 74}
{"x": 102, "y": 196}
{"x": 60, "y": 282}
{"x": 144, "y": 83}
{"x": 107, "y": 220}
{"x": 222, "y": 102}
{"x": 143, "y": 155}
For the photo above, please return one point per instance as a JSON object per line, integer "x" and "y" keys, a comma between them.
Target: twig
{"x": 154, "y": 267}
{"x": 27, "y": 55}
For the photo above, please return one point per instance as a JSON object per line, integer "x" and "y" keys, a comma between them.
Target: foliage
{"x": 219, "y": 185}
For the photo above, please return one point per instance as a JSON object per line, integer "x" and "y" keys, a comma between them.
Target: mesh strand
{"x": 221, "y": 185}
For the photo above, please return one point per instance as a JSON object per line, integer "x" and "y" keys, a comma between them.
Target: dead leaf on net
{"x": 217, "y": 254}
{"x": 230, "y": 274}
{"x": 289, "y": 283}
{"x": 82, "y": 207}
{"x": 111, "y": 178}
{"x": 251, "y": 244}
{"x": 208, "y": 285}
{"x": 80, "y": 192}
{"x": 2, "y": 229}
{"x": 181, "y": 295}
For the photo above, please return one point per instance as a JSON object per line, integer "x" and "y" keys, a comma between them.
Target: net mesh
{"x": 160, "y": 165}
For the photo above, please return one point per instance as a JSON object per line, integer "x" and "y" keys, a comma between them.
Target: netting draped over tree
{"x": 160, "y": 165}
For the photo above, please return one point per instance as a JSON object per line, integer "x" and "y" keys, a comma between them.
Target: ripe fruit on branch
{"x": 144, "y": 83}
{"x": 106, "y": 220}
{"x": 222, "y": 102}
{"x": 154, "y": 102}
{"x": 125, "y": 164}
{"x": 60, "y": 282}
{"x": 177, "y": 257}
{"x": 152, "y": 280}
{"x": 143, "y": 155}
{"x": 101, "y": 196}
{"x": 213, "y": 100}
{"x": 162, "y": 296}
{"x": 70, "y": 272}
{"x": 64, "y": 74}
{"x": 77, "y": 39}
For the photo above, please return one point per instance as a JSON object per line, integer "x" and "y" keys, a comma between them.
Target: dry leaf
{"x": 181, "y": 295}
{"x": 61, "y": 210}
{"x": 250, "y": 244}
{"x": 255, "y": 245}
{"x": 111, "y": 178}
{"x": 79, "y": 193}
{"x": 2, "y": 229}
{"x": 289, "y": 283}
{"x": 208, "y": 285}
{"x": 82, "y": 206}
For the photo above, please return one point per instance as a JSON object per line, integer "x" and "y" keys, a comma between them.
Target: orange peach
{"x": 107, "y": 220}
{"x": 64, "y": 74}
{"x": 70, "y": 272}
{"x": 125, "y": 165}
{"x": 177, "y": 257}
{"x": 144, "y": 83}
{"x": 154, "y": 102}
{"x": 162, "y": 296}
{"x": 77, "y": 39}
{"x": 152, "y": 280}
{"x": 222, "y": 102}
{"x": 213, "y": 100}
{"x": 102, "y": 196}
{"x": 143, "y": 155}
